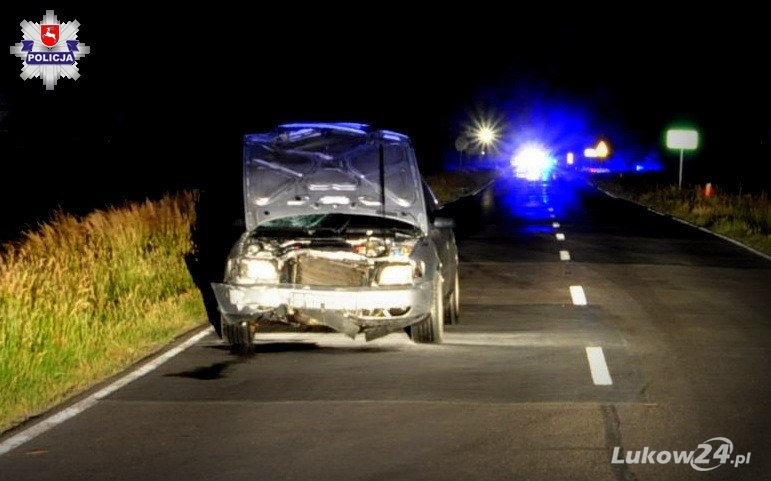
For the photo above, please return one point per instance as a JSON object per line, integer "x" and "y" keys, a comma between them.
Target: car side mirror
{"x": 444, "y": 223}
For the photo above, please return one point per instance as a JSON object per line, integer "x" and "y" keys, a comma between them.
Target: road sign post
{"x": 682, "y": 139}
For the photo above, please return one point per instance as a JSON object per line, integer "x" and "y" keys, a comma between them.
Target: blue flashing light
{"x": 532, "y": 162}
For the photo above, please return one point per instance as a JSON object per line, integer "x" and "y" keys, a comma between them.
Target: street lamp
{"x": 485, "y": 136}
{"x": 483, "y": 132}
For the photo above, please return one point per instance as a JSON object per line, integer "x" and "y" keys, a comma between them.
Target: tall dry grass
{"x": 83, "y": 297}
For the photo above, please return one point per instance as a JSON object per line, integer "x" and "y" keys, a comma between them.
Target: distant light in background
{"x": 486, "y": 135}
{"x": 562, "y": 126}
{"x": 559, "y": 124}
{"x": 484, "y": 130}
{"x": 623, "y": 160}
{"x": 600, "y": 151}
{"x": 532, "y": 162}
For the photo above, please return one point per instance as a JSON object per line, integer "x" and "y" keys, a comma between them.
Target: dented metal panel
{"x": 347, "y": 310}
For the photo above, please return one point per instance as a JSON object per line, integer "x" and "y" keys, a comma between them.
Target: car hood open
{"x": 302, "y": 169}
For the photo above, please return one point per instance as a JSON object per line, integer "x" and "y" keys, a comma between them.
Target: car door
{"x": 443, "y": 237}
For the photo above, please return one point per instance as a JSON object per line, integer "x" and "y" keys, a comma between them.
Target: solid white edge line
{"x": 606, "y": 192}
{"x": 732, "y": 241}
{"x": 560, "y": 236}
{"x": 656, "y": 212}
{"x": 578, "y": 295}
{"x": 55, "y": 419}
{"x": 564, "y": 255}
{"x": 683, "y": 221}
{"x": 598, "y": 367}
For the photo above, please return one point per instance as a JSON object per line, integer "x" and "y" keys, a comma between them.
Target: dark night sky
{"x": 165, "y": 95}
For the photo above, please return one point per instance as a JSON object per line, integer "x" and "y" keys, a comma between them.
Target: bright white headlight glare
{"x": 396, "y": 274}
{"x": 257, "y": 270}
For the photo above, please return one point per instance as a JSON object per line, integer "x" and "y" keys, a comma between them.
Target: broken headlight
{"x": 255, "y": 271}
{"x": 396, "y": 274}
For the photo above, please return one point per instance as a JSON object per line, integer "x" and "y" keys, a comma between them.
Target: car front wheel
{"x": 431, "y": 329}
{"x": 238, "y": 335}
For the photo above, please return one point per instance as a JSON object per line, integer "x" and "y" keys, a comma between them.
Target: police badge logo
{"x": 50, "y": 50}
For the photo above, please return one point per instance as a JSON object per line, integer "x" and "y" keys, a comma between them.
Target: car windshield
{"x": 338, "y": 223}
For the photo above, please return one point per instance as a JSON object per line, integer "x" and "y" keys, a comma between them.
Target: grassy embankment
{"x": 82, "y": 298}
{"x": 745, "y": 218}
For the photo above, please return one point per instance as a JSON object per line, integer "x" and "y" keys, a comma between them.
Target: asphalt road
{"x": 628, "y": 331}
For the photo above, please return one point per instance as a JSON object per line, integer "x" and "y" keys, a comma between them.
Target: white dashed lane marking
{"x": 564, "y": 255}
{"x": 578, "y": 295}
{"x": 598, "y": 367}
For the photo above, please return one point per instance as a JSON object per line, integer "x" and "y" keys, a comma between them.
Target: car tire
{"x": 452, "y": 308}
{"x": 431, "y": 329}
{"x": 239, "y": 336}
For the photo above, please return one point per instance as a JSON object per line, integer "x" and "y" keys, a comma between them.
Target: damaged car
{"x": 341, "y": 231}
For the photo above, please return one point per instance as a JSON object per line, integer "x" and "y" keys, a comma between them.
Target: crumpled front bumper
{"x": 347, "y": 310}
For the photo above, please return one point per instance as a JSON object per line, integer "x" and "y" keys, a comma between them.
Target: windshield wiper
{"x": 340, "y": 229}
